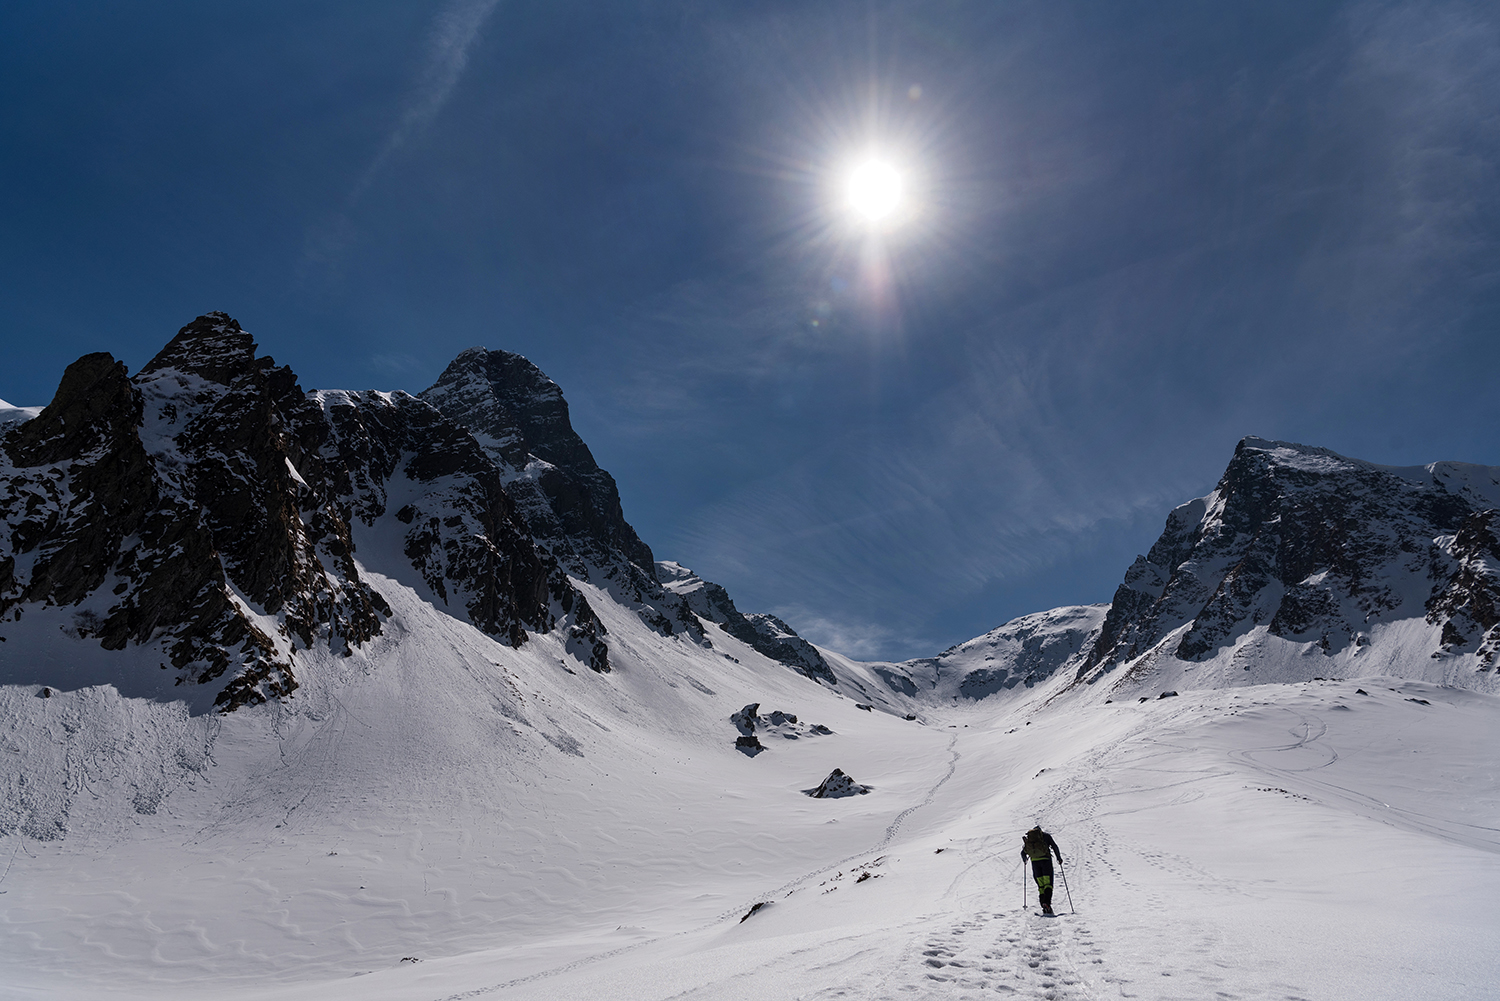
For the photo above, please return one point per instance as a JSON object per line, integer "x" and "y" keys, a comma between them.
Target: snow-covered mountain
{"x": 203, "y": 518}
{"x": 1302, "y": 563}
{"x": 342, "y": 694}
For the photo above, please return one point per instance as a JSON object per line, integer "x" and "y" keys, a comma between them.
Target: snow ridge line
{"x": 890, "y": 832}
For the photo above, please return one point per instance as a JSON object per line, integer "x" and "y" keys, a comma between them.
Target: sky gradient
{"x": 1141, "y": 231}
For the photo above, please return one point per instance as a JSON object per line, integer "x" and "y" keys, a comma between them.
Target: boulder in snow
{"x": 837, "y": 784}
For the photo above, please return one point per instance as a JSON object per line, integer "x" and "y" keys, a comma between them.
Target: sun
{"x": 874, "y": 190}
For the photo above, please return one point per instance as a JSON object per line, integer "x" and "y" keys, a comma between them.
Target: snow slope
{"x": 439, "y": 816}
{"x": 435, "y": 793}
{"x": 10, "y": 414}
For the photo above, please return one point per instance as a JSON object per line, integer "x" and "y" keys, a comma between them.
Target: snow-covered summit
{"x": 10, "y": 414}
{"x": 1025, "y": 651}
{"x": 1312, "y": 548}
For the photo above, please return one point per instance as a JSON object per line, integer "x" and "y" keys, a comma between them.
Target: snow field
{"x": 439, "y": 816}
{"x": 435, "y": 794}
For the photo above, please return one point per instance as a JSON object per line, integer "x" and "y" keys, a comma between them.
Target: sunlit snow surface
{"x": 521, "y": 831}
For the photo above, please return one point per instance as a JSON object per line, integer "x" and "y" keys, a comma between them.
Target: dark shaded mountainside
{"x": 206, "y": 515}
{"x": 1301, "y": 563}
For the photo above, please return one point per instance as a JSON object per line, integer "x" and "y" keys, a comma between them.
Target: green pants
{"x": 1041, "y": 871}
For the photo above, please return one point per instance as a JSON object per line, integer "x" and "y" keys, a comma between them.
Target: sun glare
{"x": 874, "y": 190}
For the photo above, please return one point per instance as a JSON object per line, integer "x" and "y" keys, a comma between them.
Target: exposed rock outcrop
{"x": 751, "y": 724}
{"x": 571, "y": 506}
{"x": 1467, "y": 604}
{"x": 406, "y": 473}
{"x": 235, "y": 437}
{"x": 837, "y": 785}
{"x": 87, "y": 521}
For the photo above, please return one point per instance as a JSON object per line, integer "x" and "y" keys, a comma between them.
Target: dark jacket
{"x": 1037, "y": 843}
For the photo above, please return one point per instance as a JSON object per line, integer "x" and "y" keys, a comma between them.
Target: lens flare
{"x": 874, "y": 190}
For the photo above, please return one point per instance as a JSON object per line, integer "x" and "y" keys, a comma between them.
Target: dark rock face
{"x": 1468, "y": 602}
{"x": 85, "y": 505}
{"x": 749, "y": 744}
{"x": 520, "y": 417}
{"x": 569, "y": 505}
{"x": 1318, "y": 548}
{"x": 237, "y": 438}
{"x": 458, "y": 529}
{"x": 746, "y": 718}
{"x": 572, "y": 508}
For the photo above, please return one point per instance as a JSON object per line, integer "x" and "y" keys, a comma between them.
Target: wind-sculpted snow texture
{"x": 1324, "y": 552}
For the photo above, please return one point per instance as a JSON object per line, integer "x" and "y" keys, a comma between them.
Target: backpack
{"x": 1035, "y": 843}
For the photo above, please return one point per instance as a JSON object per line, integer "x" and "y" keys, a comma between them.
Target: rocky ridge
{"x": 572, "y": 509}
{"x": 570, "y": 506}
{"x": 207, "y": 513}
{"x": 759, "y": 630}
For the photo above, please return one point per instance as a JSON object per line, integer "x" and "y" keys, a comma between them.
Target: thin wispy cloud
{"x": 454, "y": 32}
{"x": 453, "y": 35}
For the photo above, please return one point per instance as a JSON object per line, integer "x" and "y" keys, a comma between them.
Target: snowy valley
{"x": 353, "y": 694}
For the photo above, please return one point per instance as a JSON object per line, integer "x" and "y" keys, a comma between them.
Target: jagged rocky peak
{"x": 237, "y": 436}
{"x": 212, "y": 347}
{"x": 96, "y": 543}
{"x": 1317, "y": 548}
{"x": 520, "y": 417}
{"x": 403, "y": 470}
{"x": 570, "y": 506}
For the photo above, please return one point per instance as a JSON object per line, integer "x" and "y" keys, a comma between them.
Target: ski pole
{"x": 1023, "y": 884}
{"x": 1065, "y": 886}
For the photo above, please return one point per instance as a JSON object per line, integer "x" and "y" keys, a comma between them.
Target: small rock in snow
{"x": 836, "y": 785}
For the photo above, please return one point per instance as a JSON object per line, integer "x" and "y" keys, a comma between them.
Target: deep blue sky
{"x": 1143, "y": 231}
